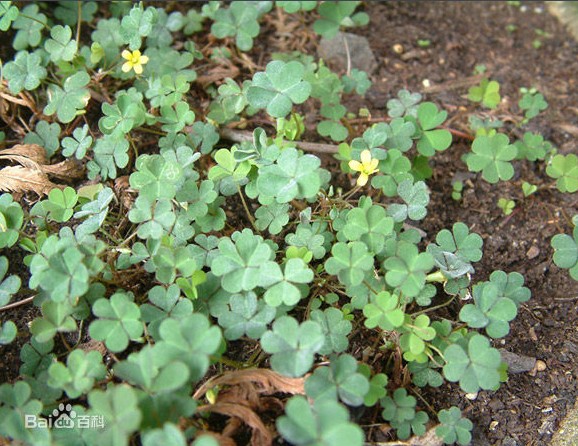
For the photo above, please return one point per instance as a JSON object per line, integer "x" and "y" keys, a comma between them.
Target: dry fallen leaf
{"x": 23, "y": 179}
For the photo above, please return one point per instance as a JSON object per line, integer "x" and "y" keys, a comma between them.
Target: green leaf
{"x": 46, "y": 135}
{"x": 340, "y": 379}
{"x": 15, "y": 404}
{"x": 431, "y": 139}
{"x": 532, "y": 104}
{"x": 122, "y": 115}
{"x": 292, "y": 176}
{"x": 476, "y": 366}
{"x": 357, "y": 80}
{"x": 413, "y": 341}
{"x": 68, "y": 101}
{"x": 533, "y": 147}
{"x": 350, "y": 262}
{"x": 564, "y": 168}
{"x": 30, "y": 24}
{"x": 8, "y": 332}
{"x": 337, "y": 14}
{"x": 335, "y": 328}
{"x": 247, "y": 316}
{"x": 156, "y": 177}
{"x": 487, "y": 92}
{"x": 78, "y": 144}
{"x": 325, "y": 424}
{"x": 78, "y": 375}
{"x": 152, "y": 373}
{"x": 377, "y": 385}
{"x": 118, "y": 321}
{"x": 453, "y": 427}
{"x": 406, "y": 104}
{"x": 110, "y": 152}
{"x": 511, "y": 286}
{"x": 9, "y": 13}
{"x": 292, "y": 345}
{"x": 171, "y": 435}
{"x": 279, "y": 87}
{"x": 273, "y": 216}
{"x": 401, "y": 414}
{"x": 370, "y": 224}
{"x": 55, "y": 318}
{"x": 384, "y": 312}
{"x": 60, "y": 46}
{"x": 136, "y": 25}
{"x": 60, "y": 204}
{"x": 240, "y": 263}
{"x": 407, "y": 270}
{"x": 566, "y": 252}
{"x": 192, "y": 340}
{"x": 292, "y": 7}
{"x": 25, "y": 72}
{"x": 282, "y": 288}
{"x": 239, "y": 20}
{"x": 11, "y": 220}
{"x": 176, "y": 117}
{"x": 118, "y": 405}
{"x": 492, "y": 156}
{"x": 416, "y": 198}
{"x": 167, "y": 303}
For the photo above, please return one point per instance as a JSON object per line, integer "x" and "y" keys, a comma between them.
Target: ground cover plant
{"x": 198, "y": 272}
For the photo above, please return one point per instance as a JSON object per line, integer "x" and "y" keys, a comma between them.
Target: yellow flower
{"x": 366, "y": 167}
{"x": 134, "y": 61}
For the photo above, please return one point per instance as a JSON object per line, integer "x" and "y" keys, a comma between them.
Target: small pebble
{"x": 397, "y": 48}
{"x": 533, "y": 252}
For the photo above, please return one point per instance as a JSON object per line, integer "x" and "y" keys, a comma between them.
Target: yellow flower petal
{"x": 126, "y": 54}
{"x": 126, "y": 67}
{"x": 136, "y": 54}
{"x": 138, "y": 68}
{"x": 373, "y": 164}
{"x": 366, "y": 157}
{"x": 144, "y": 59}
{"x": 362, "y": 180}
{"x": 355, "y": 165}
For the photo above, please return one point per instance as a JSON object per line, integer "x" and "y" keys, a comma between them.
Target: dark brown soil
{"x": 527, "y": 409}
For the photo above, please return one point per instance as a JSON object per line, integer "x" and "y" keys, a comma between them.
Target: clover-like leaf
{"x": 118, "y": 321}
{"x": 281, "y": 287}
{"x": 273, "y": 216}
{"x": 240, "y": 263}
{"x": 292, "y": 176}
{"x": 309, "y": 237}
{"x": 9, "y": 13}
{"x": 67, "y": 101}
{"x": 488, "y": 93}
{"x": 384, "y": 312}
{"x": 239, "y": 20}
{"x": 157, "y": 217}
{"x": 8, "y": 332}
{"x": 166, "y": 302}
{"x": 153, "y": 373}
{"x": 78, "y": 144}
{"x": 350, "y": 262}
{"x": 511, "y": 286}
{"x": 171, "y": 435}
{"x": 533, "y": 147}
{"x": 377, "y": 385}
{"x": 476, "y": 366}
{"x": 492, "y": 155}
{"x": 78, "y": 375}
{"x": 292, "y": 345}
{"x": 293, "y": 6}
{"x": 337, "y": 14}
{"x": 407, "y": 270}
{"x": 340, "y": 379}
{"x": 532, "y": 103}
{"x": 247, "y": 316}
{"x": 432, "y": 139}
{"x": 56, "y": 317}
{"x": 406, "y": 104}
{"x": 424, "y": 374}
{"x": 61, "y": 46}
{"x": 16, "y": 403}
{"x": 156, "y": 177}
{"x": 416, "y": 198}
{"x": 118, "y": 405}
{"x": 135, "y": 25}
{"x": 370, "y": 224}
{"x": 110, "y": 152}
{"x": 124, "y": 114}
{"x": 279, "y": 87}
{"x": 192, "y": 340}
{"x": 453, "y": 427}
{"x": 25, "y": 72}
{"x": 60, "y": 204}
{"x": 335, "y": 328}
{"x": 30, "y": 23}
{"x": 45, "y": 135}
{"x": 401, "y": 414}
{"x": 8, "y": 285}
{"x": 176, "y": 117}
{"x": 413, "y": 341}
{"x": 566, "y": 252}
{"x": 564, "y": 168}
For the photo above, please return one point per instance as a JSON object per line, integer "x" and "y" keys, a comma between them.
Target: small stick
{"x": 17, "y": 304}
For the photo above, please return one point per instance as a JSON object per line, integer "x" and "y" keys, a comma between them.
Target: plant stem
{"x": 79, "y": 4}
{"x": 17, "y": 304}
{"x": 247, "y": 211}
{"x": 437, "y": 307}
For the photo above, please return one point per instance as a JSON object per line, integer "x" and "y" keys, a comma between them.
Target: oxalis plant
{"x": 177, "y": 276}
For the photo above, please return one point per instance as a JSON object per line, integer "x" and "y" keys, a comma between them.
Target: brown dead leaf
{"x": 267, "y": 382}
{"x": 23, "y": 179}
{"x": 568, "y": 128}
{"x": 67, "y": 169}
{"x": 218, "y": 73}
{"x": 33, "y": 152}
{"x": 261, "y": 436}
